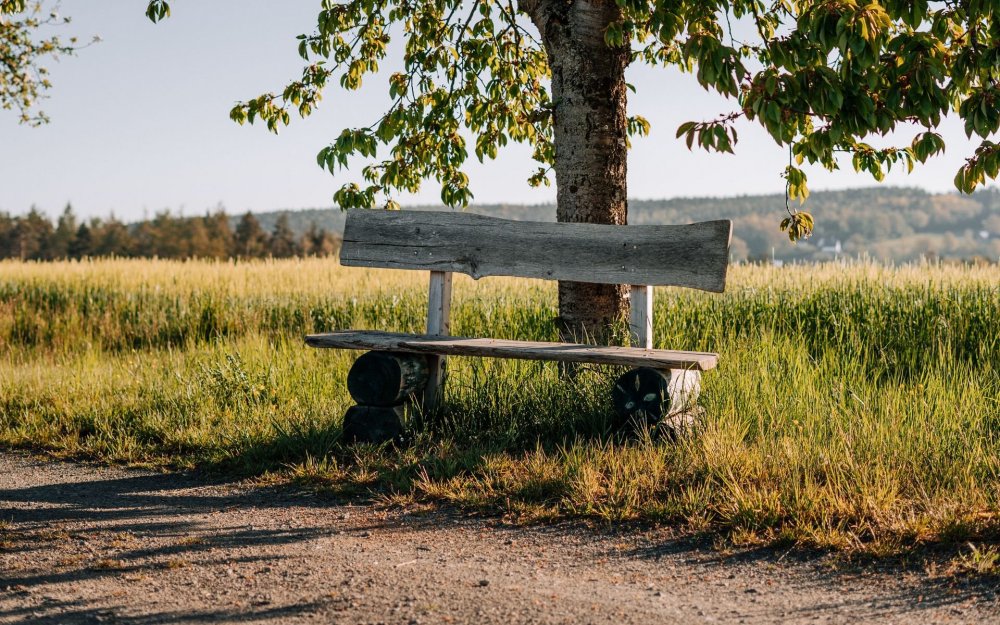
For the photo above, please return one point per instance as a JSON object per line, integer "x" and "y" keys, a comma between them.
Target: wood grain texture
{"x": 683, "y": 389}
{"x": 641, "y": 316}
{"x": 525, "y": 350}
{"x": 438, "y": 324}
{"x": 695, "y": 255}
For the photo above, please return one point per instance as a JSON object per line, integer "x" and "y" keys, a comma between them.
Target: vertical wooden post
{"x": 641, "y": 316}
{"x": 438, "y": 323}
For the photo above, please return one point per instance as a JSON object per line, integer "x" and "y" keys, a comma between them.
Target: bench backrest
{"x": 694, "y": 256}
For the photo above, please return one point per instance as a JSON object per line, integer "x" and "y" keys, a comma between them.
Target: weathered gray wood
{"x": 373, "y": 424}
{"x": 695, "y": 255}
{"x": 644, "y": 397}
{"x": 641, "y": 316}
{"x": 438, "y": 324}
{"x": 386, "y": 378}
{"x": 683, "y": 389}
{"x": 525, "y": 350}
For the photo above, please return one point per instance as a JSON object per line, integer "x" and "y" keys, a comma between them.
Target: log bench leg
{"x": 387, "y": 378}
{"x": 373, "y": 424}
{"x": 647, "y": 398}
{"x": 382, "y": 383}
{"x": 438, "y": 324}
{"x": 433, "y": 392}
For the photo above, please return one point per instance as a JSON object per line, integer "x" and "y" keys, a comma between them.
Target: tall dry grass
{"x": 854, "y": 406}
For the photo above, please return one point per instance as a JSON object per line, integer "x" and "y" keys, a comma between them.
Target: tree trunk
{"x": 589, "y": 123}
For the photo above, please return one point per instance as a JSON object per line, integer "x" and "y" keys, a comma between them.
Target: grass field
{"x": 854, "y": 407}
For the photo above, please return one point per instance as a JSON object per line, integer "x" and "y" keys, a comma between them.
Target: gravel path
{"x": 83, "y": 544}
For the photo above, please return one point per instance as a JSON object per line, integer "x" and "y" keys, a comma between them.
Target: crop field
{"x": 855, "y": 407}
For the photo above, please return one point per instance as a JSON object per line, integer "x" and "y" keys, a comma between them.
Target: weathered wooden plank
{"x": 439, "y": 303}
{"x": 683, "y": 389}
{"x": 525, "y": 350}
{"x": 695, "y": 255}
{"x": 641, "y": 316}
{"x": 438, "y": 324}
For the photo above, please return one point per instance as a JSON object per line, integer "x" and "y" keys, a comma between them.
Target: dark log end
{"x": 386, "y": 378}
{"x": 373, "y": 424}
{"x": 639, "y": 397}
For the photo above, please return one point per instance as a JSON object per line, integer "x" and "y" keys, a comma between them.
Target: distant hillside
{"x": 885, "y": 223}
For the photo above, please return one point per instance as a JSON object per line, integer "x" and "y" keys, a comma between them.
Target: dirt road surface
{"x": 84, "y": 544}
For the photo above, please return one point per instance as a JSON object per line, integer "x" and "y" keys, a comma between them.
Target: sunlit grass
{"x": 854, "y": 407}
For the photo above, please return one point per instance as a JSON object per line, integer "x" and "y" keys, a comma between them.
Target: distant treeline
{"x": 889, "y": 224}
{"x": 35, "y": 237}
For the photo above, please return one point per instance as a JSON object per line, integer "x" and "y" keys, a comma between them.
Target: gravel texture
{"x": 85, "y": 544}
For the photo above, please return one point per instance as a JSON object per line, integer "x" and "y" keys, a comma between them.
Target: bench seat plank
{"x": 525, "y": 350}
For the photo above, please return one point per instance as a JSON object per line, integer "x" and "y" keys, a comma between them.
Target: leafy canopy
{"x": 823, "y": 77}
{"x": 23, "y": 77}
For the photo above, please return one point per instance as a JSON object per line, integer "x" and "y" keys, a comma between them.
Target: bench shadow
{"x": 70, "y": 612}
{"x": 173, "y": 506}
{"x": 827, "y": 569}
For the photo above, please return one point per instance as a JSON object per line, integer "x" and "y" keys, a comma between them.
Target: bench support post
{"x": 641, "y": 316}
{"x": 663, "y": 398}
{"x": 438, "y": 323}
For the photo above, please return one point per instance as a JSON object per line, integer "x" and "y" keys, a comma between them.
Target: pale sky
{"x": 140, "y": 123}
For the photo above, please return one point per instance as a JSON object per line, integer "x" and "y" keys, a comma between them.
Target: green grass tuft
{"x": 854, "y": 407}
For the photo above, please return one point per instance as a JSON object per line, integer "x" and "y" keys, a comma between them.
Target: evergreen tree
{"x": 82, "y": 244}
{"x": 195, "y": 242}
{"x": 319, "y": 242}
{"x": 7, "y": 225}
{"x": 220, "y": 235}
{"x": 283, "y": 243}
{"x": 167, "y": 237}
{"x": 111, "y": 238}
{"x": 251, "y": 240}
{"x": 142, "y": 239}
{"x": 66, "y": 230}
{"x": 32, "y": 236}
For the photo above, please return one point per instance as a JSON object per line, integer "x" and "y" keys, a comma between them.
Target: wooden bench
{"x": 399, "y": 366}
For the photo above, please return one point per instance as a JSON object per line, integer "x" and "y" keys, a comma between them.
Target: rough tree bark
{"x": 589, "y": 123}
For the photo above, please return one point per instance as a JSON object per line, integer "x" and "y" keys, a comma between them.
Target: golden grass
{"x": 855, "y": 406}
{"x": 323, "y": 276}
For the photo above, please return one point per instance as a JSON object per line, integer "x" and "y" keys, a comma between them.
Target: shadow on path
{"x": 154, "y": 521}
